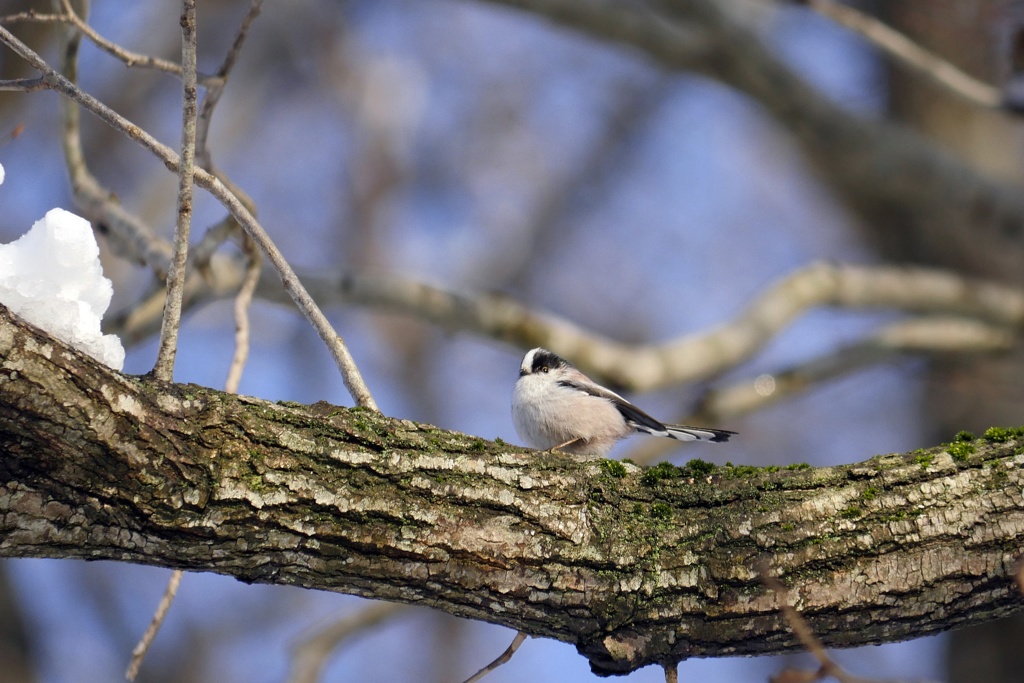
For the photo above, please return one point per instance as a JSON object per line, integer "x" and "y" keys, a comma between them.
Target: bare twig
{"x": 502, "y": 658}
{"x": 219, "y": 233}
{"x": 216, "y": 89}
{"x": 130, "y": 59}
{"x": 349, "y": 372}
{"x": 139, "y": 653}
{"x": 164, "y": 368}
{"x": 910, "y": 54}
{"x": 33, "y": 16}
{"x": 231, "y": 57}
{"x": 24, "y": 84}
{"x": 311, "y": 654}
{"x": 335, "y": 345}
{"x": 242, "y": 303}
{"x": 827, "y": 667}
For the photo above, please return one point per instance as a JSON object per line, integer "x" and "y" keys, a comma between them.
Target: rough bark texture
{"x": 634, "y": 566}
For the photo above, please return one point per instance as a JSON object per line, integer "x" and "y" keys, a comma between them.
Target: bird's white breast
{"x": 547, "y": 414}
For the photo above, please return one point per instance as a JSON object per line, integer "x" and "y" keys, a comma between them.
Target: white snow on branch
{"x": 51, "y": 276}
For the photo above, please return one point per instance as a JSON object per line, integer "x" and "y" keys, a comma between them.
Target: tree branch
{"x": 171, "y": 323}
{"x": 503, "y": 658}
{"x": 635, "y": 566}
{"x": 906, "y": 52}
{"x": 644, "y": 367}
{"x": 130, "y": 59}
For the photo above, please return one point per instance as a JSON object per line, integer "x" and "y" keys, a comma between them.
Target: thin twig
{"x": 216, "y": 235}
{"x": 241, "y": 309}
{"x": 502, "y": 658}
{"x": 24, "y": 84}
{"x": 164, "y": 368}
{"x": 335, "y": 344}
{"x": 220, "y": 232}
{"x": 211, "y": 98}
{"x": 130, "y": 59}
{"x": 33, "y": 16}
{"x": 216, "y": 89}
{"x": 827, "y": 667}
{"x": 910, "y": 54}
{"x": 139, "y": 653}
{"x": 311, "y": 654}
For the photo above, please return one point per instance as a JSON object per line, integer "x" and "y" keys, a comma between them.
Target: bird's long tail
{"x": 684, "y": 433}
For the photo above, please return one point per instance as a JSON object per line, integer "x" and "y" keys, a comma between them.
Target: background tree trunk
{"x": 979, "y": 37}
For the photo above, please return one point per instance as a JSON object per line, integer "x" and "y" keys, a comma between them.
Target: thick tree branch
{"x": 634, "y": 566}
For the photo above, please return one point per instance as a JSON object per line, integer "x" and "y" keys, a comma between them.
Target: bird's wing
{"x": 633, "y": 415}
{"x": 641, "y": 421}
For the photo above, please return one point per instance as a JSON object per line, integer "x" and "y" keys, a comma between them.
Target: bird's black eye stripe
{"x": 545, "y": 361}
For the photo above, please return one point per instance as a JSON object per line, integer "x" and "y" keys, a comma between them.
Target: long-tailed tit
{"x": 554, "y": 405}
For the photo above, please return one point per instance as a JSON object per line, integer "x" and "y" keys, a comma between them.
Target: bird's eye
{"x": 545, "y": 369}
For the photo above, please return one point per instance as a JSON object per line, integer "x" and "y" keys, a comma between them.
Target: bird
{"x": 557, "y": 407}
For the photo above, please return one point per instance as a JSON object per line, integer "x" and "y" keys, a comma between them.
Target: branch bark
{"x": 634, "y": 566}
